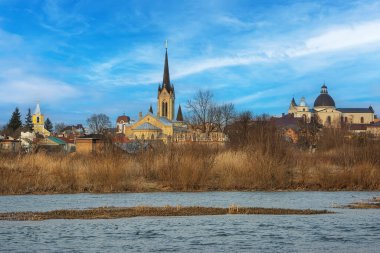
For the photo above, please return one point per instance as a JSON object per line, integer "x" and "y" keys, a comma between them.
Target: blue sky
{"x": 83, "y": 57}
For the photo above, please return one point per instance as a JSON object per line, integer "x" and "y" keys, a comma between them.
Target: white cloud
{"x": 29, "y": 89}
{"x": 340, "y": 38}
{"x": 254, "y": 96}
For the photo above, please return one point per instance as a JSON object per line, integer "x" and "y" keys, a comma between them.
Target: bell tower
{"x": 38, "y": 121}
{"x": 166, "y": 94}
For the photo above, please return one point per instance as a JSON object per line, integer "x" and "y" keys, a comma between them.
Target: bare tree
{"x": 228, "y": 114}
{"x": 239, "y": 130}
{"x": 201, "y": 110}
{"x": 58, "y": 127}
{"x": 206, "y": 115}
{"x": 98, "y": 123}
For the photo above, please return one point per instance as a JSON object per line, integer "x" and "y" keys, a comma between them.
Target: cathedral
{"x": 328, "y": 114}
{"x": 162, "y": 126}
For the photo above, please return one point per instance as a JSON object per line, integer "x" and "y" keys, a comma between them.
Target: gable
{"x": 151, "y": 120}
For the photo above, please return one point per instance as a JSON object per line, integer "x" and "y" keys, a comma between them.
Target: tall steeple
{"x": 166, "y": 95}
{"x": 166, "y": 78}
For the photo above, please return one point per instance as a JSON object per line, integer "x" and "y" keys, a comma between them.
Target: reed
{"x": 127, "y": 212}
{"x": 264, "y": 163}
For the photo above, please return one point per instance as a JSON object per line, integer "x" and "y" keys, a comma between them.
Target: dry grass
{"x": 265, "y": 163}
{"x": 125, "y": 212}
{"x": 373, "y": 203}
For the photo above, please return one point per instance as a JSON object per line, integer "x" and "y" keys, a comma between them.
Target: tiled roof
{"x": 287, "y": 121}
{"x": 358, "y": 127}
{"x": 164, "y": 121}
{"x": 147, "y": 126}
{"x": 123, "y": 118}
{"x": 66, "y": 139}
{"x": 377, "y": 124}
{"x": 91, "y": 136}
{"x": 57, "y": 140}
{"x": 355, "y": 110}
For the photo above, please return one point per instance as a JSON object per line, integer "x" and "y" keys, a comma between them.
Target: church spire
{"x": 179, "y": 114}
{"x": 166, "y": 79}
{"x": 37, "y": 110}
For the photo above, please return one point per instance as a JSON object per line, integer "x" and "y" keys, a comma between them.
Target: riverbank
{"x": 193, "y": 168}
{"x": 128, "y": 212}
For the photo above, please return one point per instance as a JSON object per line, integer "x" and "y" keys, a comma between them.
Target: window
{"x": 38, "y": 119}
{"x": 345, "y": 119}
{"x": 164, "y": 109}
{"x": 362, "y": 120}
{"x": 328, "y": 120}
{"x": 303, "y": 109}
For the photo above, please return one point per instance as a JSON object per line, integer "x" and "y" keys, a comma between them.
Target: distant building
{"x": 162, "y": 126}
{"x": 39, "y": 122}
{"x": 73, "y": 131}
{"x": 325, "y": 109}
{"x": 10, "y": 145}
{"x": 122, "y": 122}
{"x": 52, "y": 144}
{"x": 89, "y": 144}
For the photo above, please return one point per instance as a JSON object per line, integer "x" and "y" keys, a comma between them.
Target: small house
{"x": 10, "y": 145}
{"x": 52, "y": 144}
{"x": 89, "y": 144}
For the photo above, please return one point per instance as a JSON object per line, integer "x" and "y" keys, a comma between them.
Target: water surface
{"x": 346, "y": 231}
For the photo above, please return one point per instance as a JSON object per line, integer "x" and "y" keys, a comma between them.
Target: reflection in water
{"x": 346, "y": 231}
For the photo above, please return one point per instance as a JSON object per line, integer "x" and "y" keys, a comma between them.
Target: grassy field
{"x": 257, "y": 166}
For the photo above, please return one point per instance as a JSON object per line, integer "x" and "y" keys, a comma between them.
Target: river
{"x": 346, "y": 231}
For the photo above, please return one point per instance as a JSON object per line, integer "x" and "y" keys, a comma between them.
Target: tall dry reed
{"x": 266, "y": 162}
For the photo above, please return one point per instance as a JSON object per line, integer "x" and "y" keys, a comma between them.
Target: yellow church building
{"x": 162, "y": 126}
{"x": 328, "y": 114}
{"x": 38, "y": 121}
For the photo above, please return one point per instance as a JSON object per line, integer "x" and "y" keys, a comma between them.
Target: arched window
{"x": 328, "y": 120}
{"x": 362, "y": 120}
{"x": 38, "y": 119}
{"x": 163, "y": 108}
{"x": 304, "y": 117}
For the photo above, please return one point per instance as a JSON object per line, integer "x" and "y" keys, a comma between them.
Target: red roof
{"x": 123, "y": 118}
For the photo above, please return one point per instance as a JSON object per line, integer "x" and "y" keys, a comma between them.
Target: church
{"x": 164, "y": 125}
{"x": 328, "y": 114}
{"x": 39, "y": 122}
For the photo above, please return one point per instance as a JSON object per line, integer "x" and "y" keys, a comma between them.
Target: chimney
{"x": 140, "y": 115}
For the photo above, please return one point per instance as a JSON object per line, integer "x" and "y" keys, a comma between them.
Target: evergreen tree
{"x": 15, "y": 121}
{"x": 28, "y": 120}
{"x": 48, "y": 125}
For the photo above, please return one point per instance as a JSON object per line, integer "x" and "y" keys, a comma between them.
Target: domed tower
{"x": 166, "y": 94}
{"x": 324, "y": 100}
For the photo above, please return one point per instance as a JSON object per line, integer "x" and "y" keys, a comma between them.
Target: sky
{"x": 83, "y": 57}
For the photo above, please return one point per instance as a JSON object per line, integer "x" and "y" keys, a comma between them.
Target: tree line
{"x": 15, "y": 125}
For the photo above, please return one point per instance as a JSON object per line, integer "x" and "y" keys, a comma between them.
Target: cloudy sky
{"x": 83, "y": 57}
